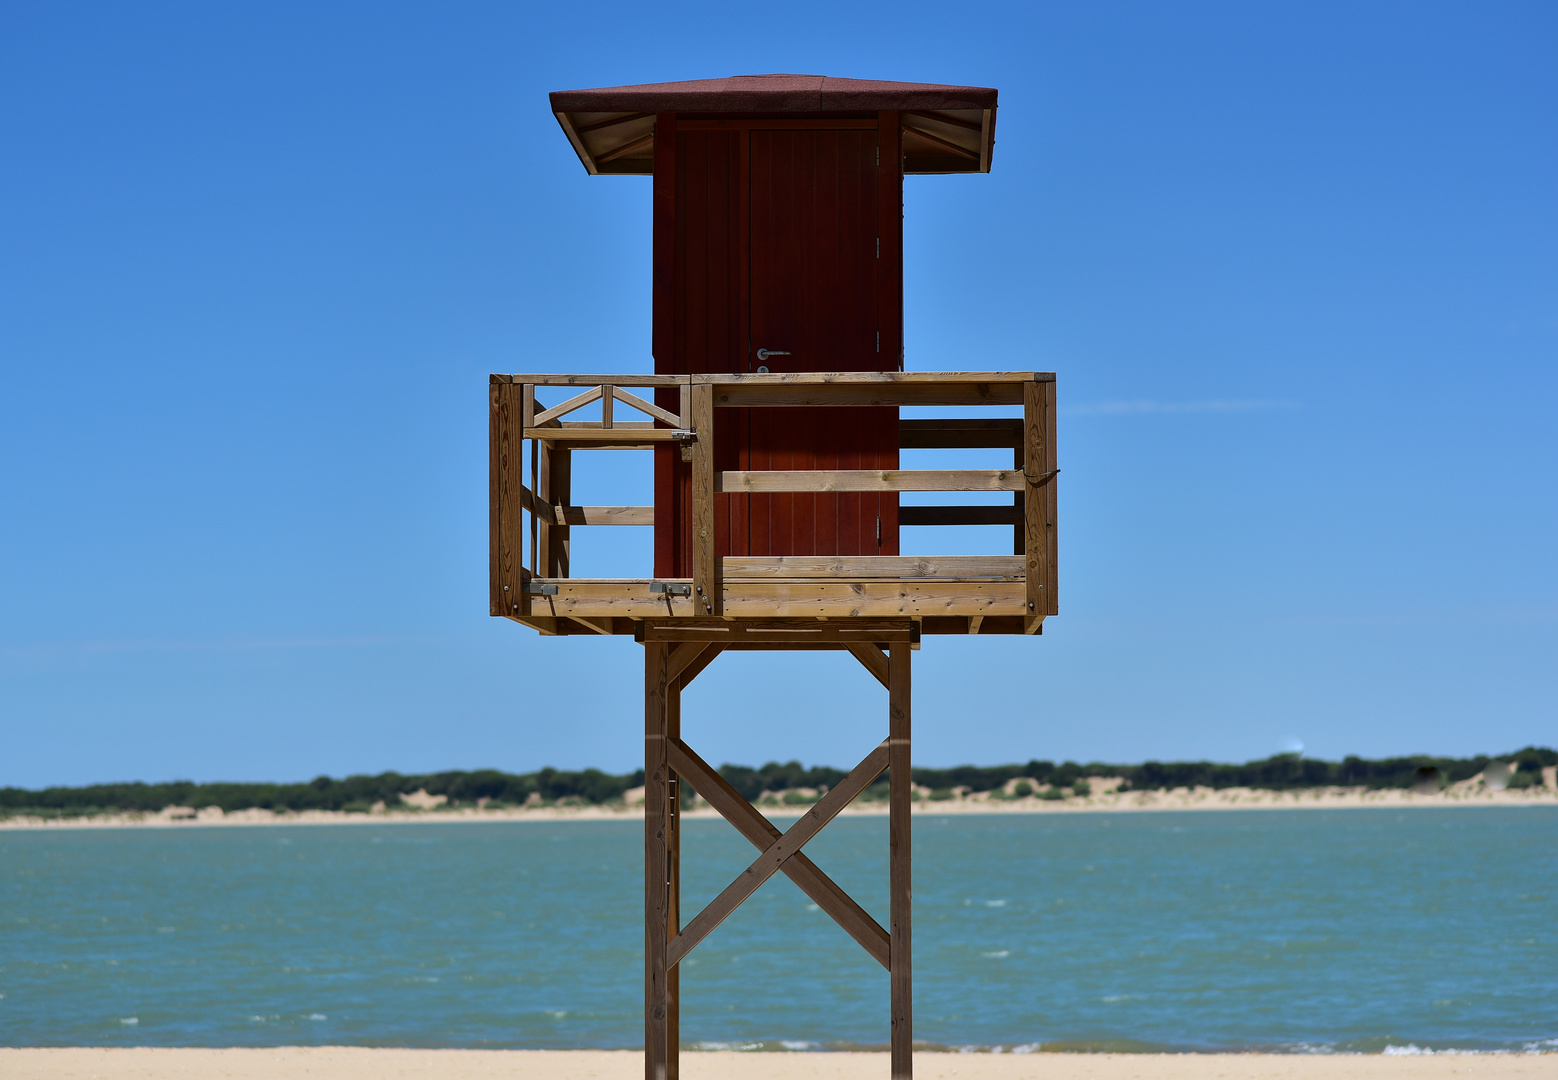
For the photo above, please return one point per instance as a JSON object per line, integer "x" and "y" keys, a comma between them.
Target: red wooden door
{"x": 815, "y": 284}
{"x": 771, "y": 239}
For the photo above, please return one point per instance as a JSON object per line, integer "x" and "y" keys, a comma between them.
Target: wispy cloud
{"x": 1147, "y": 407}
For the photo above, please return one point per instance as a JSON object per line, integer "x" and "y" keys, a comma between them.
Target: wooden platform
{"x": 960, "y": 594}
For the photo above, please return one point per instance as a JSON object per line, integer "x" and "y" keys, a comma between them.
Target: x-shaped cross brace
{"x": 779, "y": 852}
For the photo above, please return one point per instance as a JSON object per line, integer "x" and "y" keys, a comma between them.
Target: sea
{"x": 1305, "y": 931}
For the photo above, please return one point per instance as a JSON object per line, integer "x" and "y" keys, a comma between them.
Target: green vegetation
{"x": 591, "y": 787}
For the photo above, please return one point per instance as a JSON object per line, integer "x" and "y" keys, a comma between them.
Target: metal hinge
{"x": 539, "y": 588}
{"x": 671, "y": 588}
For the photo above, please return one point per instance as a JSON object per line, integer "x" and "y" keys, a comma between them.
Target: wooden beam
{"x": 684, "y": 656}
{"x": 640, "y": 381}
{"x": 818, "y": 598}
{"x": 833, "y": 567}
{"x": 900, "y": 977}
{"x": 636, "y": 402}
{"x": 658, "y": 1050}
{"x": 960, "y": 434}
{"x": 694, "y": 669}
{"x": 505, "y": 493}
{"x": 794, "y": 631}
{"x": 866, "y": 599}
{"x": 868, "y": 394}
{"x": 774, "y": 856}
{"x": 794, "y": 378}
{"x": 619, "y": 438}
{"x": 750, "y": 823}
{"x": 959, "y": 515}
{"x": 781, "y": 480}
{"x": 945, "y": 144}
{"x": 1052, "y": 498}
{"x": 974, "y": 623}
{"x": 705, "y": 570}
{"x": 608, "y": 515}
{"x": 568, "y": 406}
{"x": 872, "y": 660}
{"x": 1035, "y": 477}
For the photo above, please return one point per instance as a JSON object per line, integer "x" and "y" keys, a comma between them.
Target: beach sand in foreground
{"x": 359, "y": 1063}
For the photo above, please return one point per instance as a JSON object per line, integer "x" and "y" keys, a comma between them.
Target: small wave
{"x": 317, "y": 1016}
{"x": 130, "y": 1020}
{"x": 999, "y": 954}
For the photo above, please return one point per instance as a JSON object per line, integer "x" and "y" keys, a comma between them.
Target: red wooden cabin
{"x": 778, "y": 211}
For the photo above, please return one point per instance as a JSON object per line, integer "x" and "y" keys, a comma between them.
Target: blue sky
{"x": 1295, "y": 264}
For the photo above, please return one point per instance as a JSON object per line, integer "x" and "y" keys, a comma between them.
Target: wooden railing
{"x": 967, "y": 594}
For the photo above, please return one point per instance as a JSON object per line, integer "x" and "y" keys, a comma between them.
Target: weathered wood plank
{"x": 868, "y": 599}
{"x": 845, "y": 394}
{"x": 900, "y": 894}
{"x": 554, "y": 379}
{"x": 760, "y": 832}
{"x": 798, "y": 632}
{"x": 608, "y": 515}
{"x": 506, "y": 524}
{"x": 774, "y": 856}
{"x": 705, "y": 569}
{"x": 1052, "y": 498}
{"x": 1035, "y": 501}
{"x": 781, "y": 480}
{"x": 963, "y": 567}
{"x": 797, "y": 378}
{"x": 858, "y": 599}
{"x": 621, "y": 437}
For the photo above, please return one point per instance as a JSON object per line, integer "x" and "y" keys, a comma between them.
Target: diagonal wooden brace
{"x": 775, "y": 855}
{"x": 750, "y": 823}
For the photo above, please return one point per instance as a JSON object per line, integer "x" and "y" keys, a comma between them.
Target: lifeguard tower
{"x": 773, "y": 415}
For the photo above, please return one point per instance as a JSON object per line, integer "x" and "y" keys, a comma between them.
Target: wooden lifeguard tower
{"x": 772, "y": 413}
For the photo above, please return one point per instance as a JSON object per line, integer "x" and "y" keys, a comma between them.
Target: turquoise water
{"x": 1346, "y": 930}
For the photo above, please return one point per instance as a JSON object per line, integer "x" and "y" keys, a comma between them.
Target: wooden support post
{"x": 1051, "y": 498}
{"x": 659, "y": 1049}
{"x": 1037, "y": 478}
{"x": 900, "y": 787}
{"x": 705, "y": 568}
{"x": 556, "y": 484}
{"x": 673, "y": 1017}
{"x": 506, "y": 476}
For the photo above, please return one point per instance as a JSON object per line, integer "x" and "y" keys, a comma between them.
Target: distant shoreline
{"x": 1172, "y": 800}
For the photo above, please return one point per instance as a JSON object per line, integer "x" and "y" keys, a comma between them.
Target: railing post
{"x": 1037, "y": 454}
{"x": 705, "y": 577}
{"x": 506, "y": 518}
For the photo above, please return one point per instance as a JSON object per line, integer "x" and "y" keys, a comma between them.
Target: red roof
{"x": 774, "y": 93}
{"x": 945, "y": 128}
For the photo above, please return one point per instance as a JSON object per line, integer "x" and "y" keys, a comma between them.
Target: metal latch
{"x": 539, "y": 588}
{"x": 671, "y": 588}
{"x": 686, "y": 438}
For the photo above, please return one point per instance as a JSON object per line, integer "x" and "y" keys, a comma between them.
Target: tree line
{"x": 1283, "y": 772}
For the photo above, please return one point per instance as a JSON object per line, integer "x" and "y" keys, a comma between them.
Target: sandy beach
{"x": 356, "y": 1063}
{"x": 1104, "y": 799}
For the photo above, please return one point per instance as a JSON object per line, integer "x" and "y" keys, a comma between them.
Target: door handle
{"x": 764, "y": 354}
